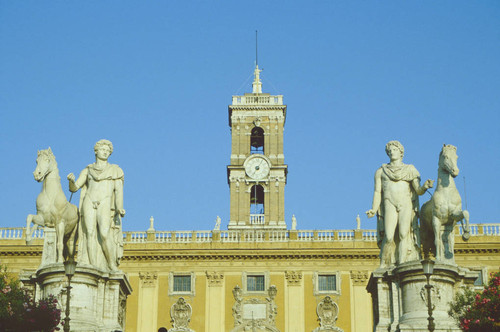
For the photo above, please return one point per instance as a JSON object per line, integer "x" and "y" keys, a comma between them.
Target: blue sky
{"x": 156, "y": 77}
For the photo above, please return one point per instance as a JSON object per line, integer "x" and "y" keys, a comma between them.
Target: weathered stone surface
{"x": 399, "y": 298}
{"x": 98, "y": 299}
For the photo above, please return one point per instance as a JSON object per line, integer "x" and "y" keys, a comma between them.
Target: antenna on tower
{"x": 256, "y": 49}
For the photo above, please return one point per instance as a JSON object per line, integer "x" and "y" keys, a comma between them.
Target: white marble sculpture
{"x": 327, "y": 312}
{"x": 440, "y": 214}
{"x": 101, "y": 208}
{"x": 181, "y": 312}
{"x": 294, "y": 223}
{"x": 252, "y": 313}
{"x": 395, "y": 201}
{"x": 53, "y": 210}
{"x": 217, "y": 224}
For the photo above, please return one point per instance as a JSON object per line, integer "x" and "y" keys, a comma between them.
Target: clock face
{"x": 257, "y": 167}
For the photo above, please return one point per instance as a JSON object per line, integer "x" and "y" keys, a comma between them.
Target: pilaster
{"x": 148, "y": 301}
{"x": 294, "y": 302}
{"x": 215, "y": 302}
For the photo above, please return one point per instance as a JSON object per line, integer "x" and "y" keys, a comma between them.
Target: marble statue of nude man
{"x": 395, "y": 201}
{"x": 101, "y": 203}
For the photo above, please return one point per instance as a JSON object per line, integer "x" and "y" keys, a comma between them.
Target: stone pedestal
{"x": 98, "y": 299}
{"x": 49, "y": 247}
{"x": 400, "y": 298}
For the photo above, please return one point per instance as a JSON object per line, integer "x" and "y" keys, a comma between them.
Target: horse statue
{"x": 440, "y": 214}
{"x": 53, "y": 210}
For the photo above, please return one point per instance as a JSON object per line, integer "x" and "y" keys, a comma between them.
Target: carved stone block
{"x": 294, "y": 278}
{"x": 399, "y": 303}
{"x": 253, "y": 313}
{"x": 181, "y": 312}
{"x": 327, "y": 312}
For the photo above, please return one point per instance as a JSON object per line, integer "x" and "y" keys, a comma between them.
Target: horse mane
{"x": 446, "y": 148}
{"x": 47, "y": 153}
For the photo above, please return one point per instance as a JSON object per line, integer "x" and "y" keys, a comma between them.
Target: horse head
{"x": 45, "y": 163}
{"x": 448, "y": 159}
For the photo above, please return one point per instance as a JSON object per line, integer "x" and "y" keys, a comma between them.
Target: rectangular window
{"x": 182, "y": 283}
{"x": 327, "y": 282}
{"x": 255, "y": 283}
{"x": 479, "y": 281}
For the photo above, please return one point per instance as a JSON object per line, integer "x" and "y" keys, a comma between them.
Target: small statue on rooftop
{"x": 217, "y": 224}
{"x": 294, "y": 223}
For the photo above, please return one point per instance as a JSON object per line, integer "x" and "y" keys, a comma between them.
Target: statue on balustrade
{"x": 395, "y": 201}
{"x": 101, "y": 210}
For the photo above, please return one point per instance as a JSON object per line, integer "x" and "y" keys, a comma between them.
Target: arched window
{"x": 257, "y": 200}
{"x": 257, "y": 140}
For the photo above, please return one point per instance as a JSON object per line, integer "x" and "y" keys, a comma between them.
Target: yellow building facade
{"x": 217, "y": 261}
{"x": 258, "y": 274}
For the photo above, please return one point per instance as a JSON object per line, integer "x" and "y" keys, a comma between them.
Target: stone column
{"x": 294, "y": 302}
{"x": 215, "y": 302}
{"x": 147, "y": 319}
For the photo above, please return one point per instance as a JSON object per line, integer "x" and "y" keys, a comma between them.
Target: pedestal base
{"x": 400, "y": 298}
{"x": 98, "y": 299}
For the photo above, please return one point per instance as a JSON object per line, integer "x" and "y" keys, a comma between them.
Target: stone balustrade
{"x": 257, "y": 219}
{"x": 17, "y": 233}
{"x": 258, "y": 100}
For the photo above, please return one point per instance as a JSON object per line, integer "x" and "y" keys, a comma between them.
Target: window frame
{"x": 171, "y": 282}
{"x": 244, "y": 279}
{"x": 483, "y": 275}
{"x": 316, "y": 278}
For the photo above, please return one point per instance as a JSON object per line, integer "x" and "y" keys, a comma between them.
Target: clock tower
{"x": 257, "y": 172}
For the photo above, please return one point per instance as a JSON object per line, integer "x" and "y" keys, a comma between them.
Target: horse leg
{"x": 36, "y": 219}
{"x": 436, "y": 226}
{"x": 60, "y": 240}
{"x": 70, "y": 239}
{"x": 451, "y": 241}
{"x": 70, "y": 244}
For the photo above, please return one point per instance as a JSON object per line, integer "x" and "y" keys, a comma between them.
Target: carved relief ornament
{"x": 148, "y": 279}
{"x": 359, "y": 277}
{"x": 181, "y": 312}
{"x": 214, "y": 278}
{"x": 293, "y": 278}
{"x": 435, "y": 296}
{"x": 327, "y": 312}
{"x": 253, "y": 313}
